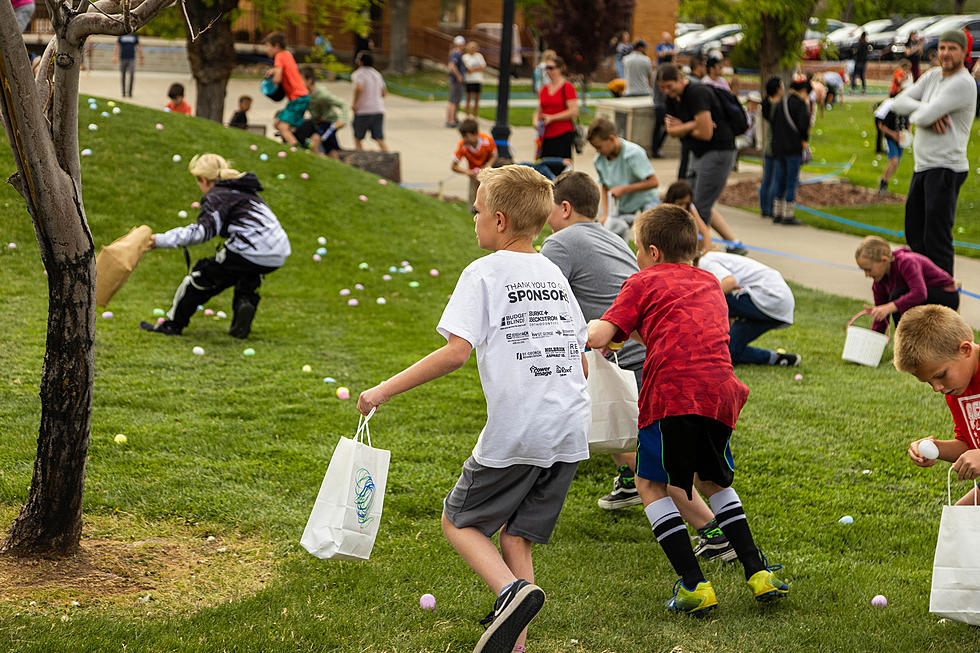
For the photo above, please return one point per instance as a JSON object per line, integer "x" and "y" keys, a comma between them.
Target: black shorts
{"x": 559, "y": 147}
{"x": 474, "y": 87}
{"x": 373, "y": 122}
{"x": 675, "y": 448}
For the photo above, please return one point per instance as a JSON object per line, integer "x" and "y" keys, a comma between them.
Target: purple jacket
{"x": 912, "y": 271}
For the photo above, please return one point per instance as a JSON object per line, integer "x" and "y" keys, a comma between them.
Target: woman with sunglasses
{"x": 557, "y": 109}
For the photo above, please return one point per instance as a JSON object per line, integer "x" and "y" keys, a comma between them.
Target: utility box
{"x": 634, "y": 120}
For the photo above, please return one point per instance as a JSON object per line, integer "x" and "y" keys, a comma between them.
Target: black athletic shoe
{"x": 512, "y": 612}
{"x": 788, "y": 360}
{"x": 790, "y": 221}
{"x": 736, "y": 248}
{"x": 166, "y": 328}
{"x": 241, "y": 323}
{"x": 624, "y": 492}
{"x": 713, "y": 545}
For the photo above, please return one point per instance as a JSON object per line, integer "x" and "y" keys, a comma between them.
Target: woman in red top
{"x": 557, "y": 108}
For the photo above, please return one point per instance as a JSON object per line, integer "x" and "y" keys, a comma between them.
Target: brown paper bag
{"x": 114, "y": 262}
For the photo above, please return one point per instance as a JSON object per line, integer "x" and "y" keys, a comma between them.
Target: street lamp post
{"x": 501, "y": 130}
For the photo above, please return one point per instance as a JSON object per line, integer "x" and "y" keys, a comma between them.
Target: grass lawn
{"x": 849, "y": 130}
{"x": 234, "y": 448}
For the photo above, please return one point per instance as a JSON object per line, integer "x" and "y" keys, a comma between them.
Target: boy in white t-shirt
{"x": 516, "y": 309}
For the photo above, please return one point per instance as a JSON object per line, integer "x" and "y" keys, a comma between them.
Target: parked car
{"x": 832, "y": 24}
{"x": 874, "y": 28}
{"x": 719, "y": 37}
{"x": 971, "y": 22}
{"x": 685, "y": 28}
{"x": 919, "y": 24}
{"x": 815, "y": 41}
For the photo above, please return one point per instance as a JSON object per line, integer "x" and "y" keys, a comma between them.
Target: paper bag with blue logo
{"x": 345, "y": 518}
{"x": 956, "y": 567}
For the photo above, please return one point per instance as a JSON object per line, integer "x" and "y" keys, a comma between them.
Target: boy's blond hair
{"x": 212, "y": 167}
{"x": 670, "y": 229}
{"x": 521, "y": 193}
{"x": 873, "y": 248}
{"x": 929, "y": 334}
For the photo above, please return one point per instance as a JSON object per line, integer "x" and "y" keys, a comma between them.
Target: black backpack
{"x": 732, "y": 109}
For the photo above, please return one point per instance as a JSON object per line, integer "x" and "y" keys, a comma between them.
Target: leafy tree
{"x": 40, "y": 116}
{"x": 580, "y": 32}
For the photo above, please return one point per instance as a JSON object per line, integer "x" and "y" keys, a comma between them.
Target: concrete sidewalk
{"x": 812, "y": 257}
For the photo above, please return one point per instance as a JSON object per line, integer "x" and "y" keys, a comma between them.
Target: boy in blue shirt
{"x": 517, "y": 310}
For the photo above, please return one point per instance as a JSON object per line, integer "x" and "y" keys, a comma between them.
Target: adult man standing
{"x": 127, "y": 46}
{"x": 456, "y": 71}
{"x": 665, "y": 49}
{"x": 941, "y": 105}
{"x": 695, "y": 115}
{"x": 638, "y": 70}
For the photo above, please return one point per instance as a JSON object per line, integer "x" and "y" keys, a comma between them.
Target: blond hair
{"x": 929, "y": 334}
{"x": 873, "y": 248}
{"x": 212, "y": 167}
{"x": 670, "y": 229}
{"x": 521, "y": 193}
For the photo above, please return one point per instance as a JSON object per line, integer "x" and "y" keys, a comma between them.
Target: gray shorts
{"x": 710, "y": 172}
{"x": 455, "y": 90}
{"x": 528, "y": 499}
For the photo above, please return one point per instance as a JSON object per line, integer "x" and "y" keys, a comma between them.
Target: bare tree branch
{"x": 45, "y": 80}
{"x": 92, "y": 22}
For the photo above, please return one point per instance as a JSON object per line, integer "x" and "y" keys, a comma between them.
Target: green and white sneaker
{"x": 713, "y": 545}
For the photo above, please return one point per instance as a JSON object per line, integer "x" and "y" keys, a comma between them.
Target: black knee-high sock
{"x": 731, "y": 519}
{"x": 672, "y": 535}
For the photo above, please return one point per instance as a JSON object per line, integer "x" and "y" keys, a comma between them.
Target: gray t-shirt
{"x": 596, "y": 262}
{"x": 636, "y": 69}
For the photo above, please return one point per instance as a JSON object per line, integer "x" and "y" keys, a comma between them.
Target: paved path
{"x": 811, "y": 257}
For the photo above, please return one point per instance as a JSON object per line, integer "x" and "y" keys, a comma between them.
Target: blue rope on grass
{"x": 852, "y": 223}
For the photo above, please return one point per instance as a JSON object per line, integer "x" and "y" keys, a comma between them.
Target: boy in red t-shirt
{"x": 177, "y": 103}
{"x": 477, "y": 149}
{"x": 286, "y": 72}
{"x": 934, "y": 344}
{"x": 689, "y": 400}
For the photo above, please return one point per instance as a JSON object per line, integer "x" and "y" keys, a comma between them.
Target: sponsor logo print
{"x": 560, "y": 370}
{"x": 554, "y": 352}
{"x": 540, "y": 371}
{"x": 517, "y": 337}
{"x": 541, "y": 317}
{"x": 573, "y": 351}
{"x": 508, "y": 321}
{"x": 525, "y": 355}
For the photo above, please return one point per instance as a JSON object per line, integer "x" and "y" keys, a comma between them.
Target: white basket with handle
{"x": 864, "y": 346}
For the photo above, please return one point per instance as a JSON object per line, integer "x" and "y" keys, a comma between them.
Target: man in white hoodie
{"x": 941, "y": 105}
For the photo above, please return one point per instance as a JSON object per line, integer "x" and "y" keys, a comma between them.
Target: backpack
{"x": 732, "y": 109}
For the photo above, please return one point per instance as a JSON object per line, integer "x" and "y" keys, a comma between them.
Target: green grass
{"x": 237, "y": 446}
{"x": 849, "y": 130}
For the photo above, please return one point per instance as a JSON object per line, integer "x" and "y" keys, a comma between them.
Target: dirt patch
{"x": 172, "y": 572}
{"x": 746, "y": 193}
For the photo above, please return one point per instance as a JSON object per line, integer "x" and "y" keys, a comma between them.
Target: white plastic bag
{"x": 345, "y": 518}
{"x": 614, "y": 406}
{"x": 956, "y": 568}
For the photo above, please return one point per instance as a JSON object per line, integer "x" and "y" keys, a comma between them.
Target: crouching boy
{"x": 538, "y": 411}
{"x": 689, "y": 400}
{"x": 934, "y": 344}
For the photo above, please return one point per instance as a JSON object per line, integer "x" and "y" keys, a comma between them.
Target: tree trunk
{"x": 40, "y": 117}
{"x": 211, "y": 55}
{"x": 771, "y": 50}
{"x": 398, "y": 19}
{"x": 958, "y": 6}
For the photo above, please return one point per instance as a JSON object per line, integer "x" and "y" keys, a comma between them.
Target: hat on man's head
{"x": 954, "y": 36}
{"x": 459, "y": 40}
{"x": 754, "y": 96}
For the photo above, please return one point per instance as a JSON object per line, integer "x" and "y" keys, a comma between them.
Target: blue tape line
{"x": 826, "y": 175}
{"x": 960, "y": 243}
{"x": 969, "y": 294}
{"x": 853, "y": 223}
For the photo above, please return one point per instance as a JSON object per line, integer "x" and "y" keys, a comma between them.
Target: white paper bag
{"x": 614, "y": 406}
{"x": 956, "y": 568}
{"x": 345, "y": 518}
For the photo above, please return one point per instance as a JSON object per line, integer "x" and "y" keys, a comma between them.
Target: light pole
{"x": 501, "y": 130}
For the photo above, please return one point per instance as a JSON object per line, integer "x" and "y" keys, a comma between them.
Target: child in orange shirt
{"x": 177, "y": 104}
{"x": 286, "y": 73}
{"x": 477, "y": 149}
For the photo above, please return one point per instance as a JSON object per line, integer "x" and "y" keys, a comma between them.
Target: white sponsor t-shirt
{"x": 519, "y": 313}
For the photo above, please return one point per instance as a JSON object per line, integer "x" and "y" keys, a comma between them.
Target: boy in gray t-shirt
{"x": 596, "y": 262}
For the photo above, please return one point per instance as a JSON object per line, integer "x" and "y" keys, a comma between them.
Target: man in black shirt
{"x": 695, "y": 115}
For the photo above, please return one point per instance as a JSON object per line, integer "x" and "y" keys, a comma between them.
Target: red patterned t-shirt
{"x": 681, "y": 314}
{"x": 966, "y": 413}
